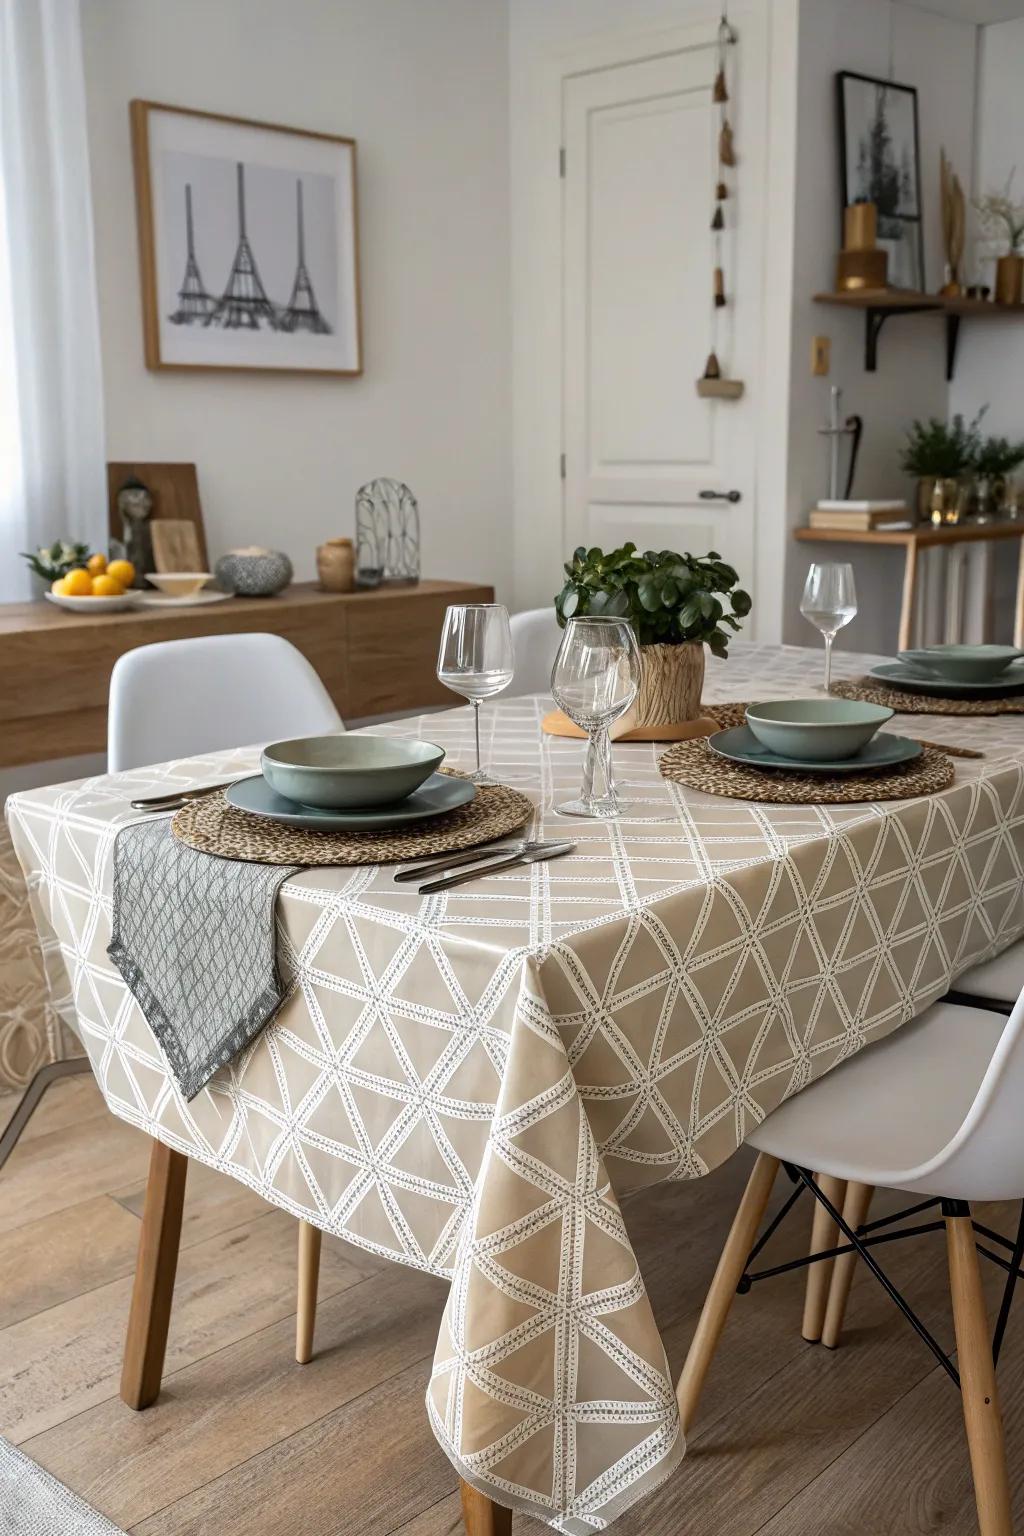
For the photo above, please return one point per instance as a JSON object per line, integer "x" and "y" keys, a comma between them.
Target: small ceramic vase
{"x": 336, "y": 564}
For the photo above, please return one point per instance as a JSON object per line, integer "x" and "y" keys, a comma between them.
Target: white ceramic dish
{"x": 179, "y": 583}
{"x": 93, "y": 604}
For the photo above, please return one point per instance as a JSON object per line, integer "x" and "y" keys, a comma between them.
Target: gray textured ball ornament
{"x": 253, "y": 572}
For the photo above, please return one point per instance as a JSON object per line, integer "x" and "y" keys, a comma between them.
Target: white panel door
{"x": 640, "y": 444}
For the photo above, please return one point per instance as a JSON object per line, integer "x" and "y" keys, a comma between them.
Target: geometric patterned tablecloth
{"x": 469, "y": 1082}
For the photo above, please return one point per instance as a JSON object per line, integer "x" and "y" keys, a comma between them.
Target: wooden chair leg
{"x": 153, "y": 1291}
{"x": 723, "y": 1287}
{"x": 481, "y": 1516}
{"x": 855, "y": 1210}
{"x": 824, "y": 1234}
{"x": 982, "y": 1418}
{"x": 309, "y": 1275}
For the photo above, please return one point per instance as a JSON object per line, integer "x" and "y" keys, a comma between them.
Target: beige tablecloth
{"x": 468, "y": 1082}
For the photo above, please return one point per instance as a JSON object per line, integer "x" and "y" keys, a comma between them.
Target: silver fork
{"x": 436, "y": 866}
{"x": 536, "y": 855}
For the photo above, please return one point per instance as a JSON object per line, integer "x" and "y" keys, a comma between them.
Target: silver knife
{"x": 434, "y": 865}
{"x": 179, "y": 796}
{"x": 535, "y": 855}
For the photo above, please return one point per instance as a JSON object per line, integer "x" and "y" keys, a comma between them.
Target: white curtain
{"x": 52, "y": 472}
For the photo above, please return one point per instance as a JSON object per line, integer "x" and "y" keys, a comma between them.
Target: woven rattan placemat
{"x": 695, "y": 764}
{"x": 212, "y": 826}
{"x": 926, "y": 703}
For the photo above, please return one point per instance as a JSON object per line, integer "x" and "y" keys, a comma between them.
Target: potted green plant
{"x": 995, "y": 461}
{"x": 939, "y": 454}
{"x": 676, "y": 604}
{"x": 1003, "y": 221}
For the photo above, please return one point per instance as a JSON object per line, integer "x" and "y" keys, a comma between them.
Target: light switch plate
{"x": 821, "y": 348}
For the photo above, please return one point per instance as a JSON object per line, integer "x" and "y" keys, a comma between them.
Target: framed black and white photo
{"x": 880, "y": 163}
{"x": 248, "y": 243}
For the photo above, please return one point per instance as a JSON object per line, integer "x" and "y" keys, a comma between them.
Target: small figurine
{"x": 135, "y": 504}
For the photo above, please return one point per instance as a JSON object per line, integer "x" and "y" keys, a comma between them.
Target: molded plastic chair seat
{"x": 535, "y": 641}
{"x": 999, "y": 980}
{"x": 888, "y": 1115}
{"x": 179, "y": 698}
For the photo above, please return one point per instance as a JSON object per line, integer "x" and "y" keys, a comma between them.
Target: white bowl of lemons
{"x": 98, "y": 586}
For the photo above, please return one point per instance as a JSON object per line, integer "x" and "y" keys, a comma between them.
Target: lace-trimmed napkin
{"x": 194, "y": 939}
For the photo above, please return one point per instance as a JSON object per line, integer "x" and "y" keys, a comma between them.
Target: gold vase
{"x": 940, "y": 500}
{"x": 1009, "y": 279}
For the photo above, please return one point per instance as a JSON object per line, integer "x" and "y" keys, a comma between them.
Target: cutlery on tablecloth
{"x": 435, "y": 865}
{"x": 536, "y": 855}
{"x": 174, "y": 798}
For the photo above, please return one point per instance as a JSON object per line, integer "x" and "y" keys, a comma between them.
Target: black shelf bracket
{"x": 874, "y": 319}
{"x": 952, "y": 337}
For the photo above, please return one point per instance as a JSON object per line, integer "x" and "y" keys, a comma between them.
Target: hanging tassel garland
{"x": 718, "y": 221}
{"x": 712, "y": 386}
{"x": 726, "y": 153}
{"x": 721, "y": 191}
{"x": 719, "y": 289}
{"x": 719, "y": 91}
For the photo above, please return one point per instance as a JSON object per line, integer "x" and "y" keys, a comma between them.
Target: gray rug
{"x": 32, "y": 1503}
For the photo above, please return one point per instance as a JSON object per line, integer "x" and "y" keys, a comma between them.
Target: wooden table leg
{"x": 155, "y": 1268}
{"x": 481, "y": 1516}
{"x": 982, "y": 1418}
{"x": 309, "y": 1275}
{"x": 723, "y": 1287}
{"x": 1018, "y": 607}
{"x": 824, "y": 1234}
{"x": 909, "y": 597}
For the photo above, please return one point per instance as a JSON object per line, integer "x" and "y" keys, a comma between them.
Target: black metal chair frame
{"x": 72, "y": 1066}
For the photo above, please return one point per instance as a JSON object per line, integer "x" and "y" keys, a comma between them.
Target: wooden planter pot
{"x": 670, "y": 687}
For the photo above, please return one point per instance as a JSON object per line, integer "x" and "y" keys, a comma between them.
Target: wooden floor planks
{"x": 791, "y": 1439}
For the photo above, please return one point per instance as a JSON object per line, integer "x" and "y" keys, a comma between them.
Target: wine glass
{"x": 595, "y": 679}
{"x": 475, "y": 659}
{"x": 829, "y": 602}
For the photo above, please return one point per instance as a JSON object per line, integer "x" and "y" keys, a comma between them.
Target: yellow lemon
{"x": 78, "y": 583}
{"x": 97, "y": 565}
{"x": 106, "y": 586}
{"x": 122, "y": 571}
{"x": 58, "y": 586}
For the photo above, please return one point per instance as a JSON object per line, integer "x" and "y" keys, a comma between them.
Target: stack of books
{"x": 859, "y": 516}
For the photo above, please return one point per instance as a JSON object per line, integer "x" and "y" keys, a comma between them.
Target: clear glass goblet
{"x": 829, "y": 602}
{"x": 595, "y": 679}
{"x": 475, "y": 659}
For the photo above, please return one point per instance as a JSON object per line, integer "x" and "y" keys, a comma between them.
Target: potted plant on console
{"x": 676, "y": 604}
{"x": 940, "y": 455}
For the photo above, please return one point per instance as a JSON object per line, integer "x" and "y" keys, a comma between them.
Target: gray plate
{"x": 740, "y": 745}
{"x": 440, "y": 793}
{"x": 899, "y": 674}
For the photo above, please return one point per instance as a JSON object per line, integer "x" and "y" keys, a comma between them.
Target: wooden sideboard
{"x": 375, "y": 650}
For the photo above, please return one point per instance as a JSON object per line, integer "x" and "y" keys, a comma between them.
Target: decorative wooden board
{"x": 558, "y": 724}
{"x": 175, "y": 492}
{"x": 176, "y": 545}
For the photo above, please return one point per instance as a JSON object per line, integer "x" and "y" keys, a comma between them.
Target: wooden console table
{"x": 925, "y": 536}
{"x": 375, "y": 650}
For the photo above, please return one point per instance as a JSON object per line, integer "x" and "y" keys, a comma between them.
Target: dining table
{"x": 470, "y": 1082}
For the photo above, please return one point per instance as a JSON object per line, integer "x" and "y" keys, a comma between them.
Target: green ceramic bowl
{"x": 963, "y": 663}
{"x": 816, "y": 730}
{"x": 349, "y": 772}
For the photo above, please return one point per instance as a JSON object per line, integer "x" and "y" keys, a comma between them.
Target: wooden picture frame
{"x": 284, "y": 201}
{"x": 891, "y": 178}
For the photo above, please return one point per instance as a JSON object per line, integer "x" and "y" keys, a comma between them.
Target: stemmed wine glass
{"x": 595, "y": 679}
{"x": 475, "y": 659}
{"x": 829, "y": 602}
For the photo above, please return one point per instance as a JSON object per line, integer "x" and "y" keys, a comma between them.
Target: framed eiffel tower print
{"x": 248, "y": 243}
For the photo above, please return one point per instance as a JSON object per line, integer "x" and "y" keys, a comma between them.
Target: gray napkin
{"x": 194, "y": 938}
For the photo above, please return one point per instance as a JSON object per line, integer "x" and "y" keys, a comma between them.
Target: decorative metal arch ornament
{"x": 387, "y": 534}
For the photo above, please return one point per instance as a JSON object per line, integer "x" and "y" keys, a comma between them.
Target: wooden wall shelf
{"x": 880, "y": 304}
{"x": 376, "y": 652}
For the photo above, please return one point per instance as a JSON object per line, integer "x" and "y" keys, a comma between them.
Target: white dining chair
{"x": 535, "y": 641}
{"x": 181, "y": 698}
{"x": 934, "y": 1109}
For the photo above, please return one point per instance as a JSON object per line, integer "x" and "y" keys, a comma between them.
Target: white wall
{"x": 872, "y": 37}
{"x": 422, "y": 87}
{"x": 991, "y": 356}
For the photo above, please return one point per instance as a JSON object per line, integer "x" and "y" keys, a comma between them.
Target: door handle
{"x": 720, "y": 496}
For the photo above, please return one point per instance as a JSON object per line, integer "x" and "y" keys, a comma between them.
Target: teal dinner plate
{"x": 440, "y": 793}
{"x": 740, "y": 745}
{"x": 900, "y": 674}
